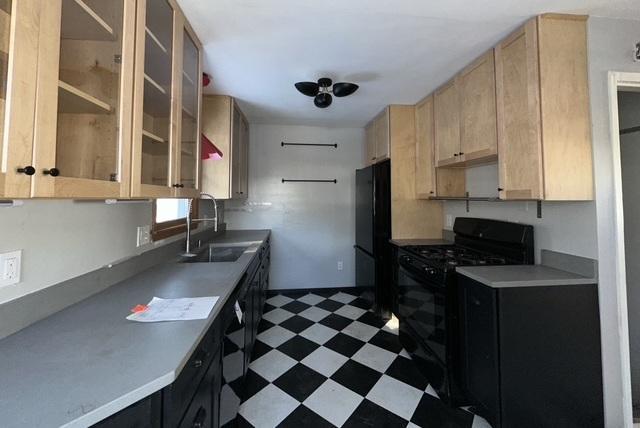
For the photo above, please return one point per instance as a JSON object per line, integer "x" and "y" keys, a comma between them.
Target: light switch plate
{"x": 340, "y": 265}
{"x": 10, "y": 268}
{"x": 144, "y": 235}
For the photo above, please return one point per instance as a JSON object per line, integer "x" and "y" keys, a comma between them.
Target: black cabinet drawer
{"x": 143, "y": 414}
{"x": 200, "y": 413}
{"x": 178, "y": 395}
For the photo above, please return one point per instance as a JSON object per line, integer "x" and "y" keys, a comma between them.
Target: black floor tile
{"x": 370, "y": 415}
{"x": 259, "y": 349}
{"x": 329, "y": 305}
{"x": 372, "y": 319}
{"x": 295, "y": 307}
{"x": 268, "y": 308}
{"x": 300, "y": 381}
{"x": 304, "y": 417}
{"x": 253, "y": 383}
{"x": 432, "y": 412}
{"x": 388, "y": 341}
{"x": 297, "y": 324}
{"x": 361, "y": 303}
{"x": 264, "y": 325}
{"x": 356, "y": 377}
{"x": 336, "y": 322}
{"x": 298, "y": 347}
{"x": 240, "y": 422}
{"x": 345, "y": 345}
{"x": 405, "y": 370}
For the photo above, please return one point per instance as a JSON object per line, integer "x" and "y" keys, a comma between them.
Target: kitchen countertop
{"x": 523, "y": 276}
{"x": 407, "y": 242}
{"x": 88, "y": 362}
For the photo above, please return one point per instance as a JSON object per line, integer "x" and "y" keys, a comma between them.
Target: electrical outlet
{"x": 144, "y": 235}
{"x": 340, "y": 265}
{"x": 10, "y": 266}
{"x": 449, "y": 221}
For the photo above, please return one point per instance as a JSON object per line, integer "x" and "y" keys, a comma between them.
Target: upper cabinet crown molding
{"x": 74, "y": 67}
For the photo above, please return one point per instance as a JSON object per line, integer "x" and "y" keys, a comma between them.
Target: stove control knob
{"x": 430, "y": 271}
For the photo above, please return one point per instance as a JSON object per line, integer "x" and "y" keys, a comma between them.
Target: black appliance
{"x": 373, "y": 231}
{"x": 531, "y": 355}
{"x": 427, "y": 294}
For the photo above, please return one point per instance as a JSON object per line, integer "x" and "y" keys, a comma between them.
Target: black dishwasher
{"x": 233, "y": 353}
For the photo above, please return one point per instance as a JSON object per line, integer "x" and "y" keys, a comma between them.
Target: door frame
{"x": 620, "y": 81}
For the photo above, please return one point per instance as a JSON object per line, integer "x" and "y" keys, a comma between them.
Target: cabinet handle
{"x": 198, "y": 422}
{"x": 197, "y": 363}
{"x": 500, "y": 189}
{"x": 455, "y": 154}
{"x": 461, "y": 153}
{"x": 476, "y": 302}
{"x": 373, "y": 158}
{"x": 27, "y": 170}
{"x": 54, "y": 172}
{"x": 178, "y": 185}
{"x": 431, "y": 192}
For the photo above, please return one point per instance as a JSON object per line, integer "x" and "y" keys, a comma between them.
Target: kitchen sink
{"x": 214, "y": 253}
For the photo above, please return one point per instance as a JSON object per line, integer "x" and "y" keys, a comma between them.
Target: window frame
{"x": 166, "y": 229}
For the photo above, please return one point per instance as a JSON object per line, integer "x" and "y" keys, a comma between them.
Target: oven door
{"x": 421, "y": 304}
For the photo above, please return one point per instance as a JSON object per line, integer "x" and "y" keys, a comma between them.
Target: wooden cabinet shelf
{"x": 153, "y": 38}
{"x": 73, "y": 100}
{"x": 153, "y": 137}
{"x": 155, "y": 100}
{"x": 81, "y": 22}
{"x": 188, "y": 79}
{"x": 155, "y": 61}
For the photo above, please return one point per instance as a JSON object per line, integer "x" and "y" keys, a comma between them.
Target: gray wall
{"x": 568, "y": 227}
{"x": 629, "y": 110}
{"x": 610, "y": 49}
{"x": 62, "y": 239}
{"x": 313, "y": 224}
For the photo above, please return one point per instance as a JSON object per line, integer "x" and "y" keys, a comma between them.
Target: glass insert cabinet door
{"x": 153, "y": 140}
{"x": 83, "y": 117}
{"x": 189, "y": 153}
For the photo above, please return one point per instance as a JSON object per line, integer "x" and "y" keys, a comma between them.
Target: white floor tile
{"x": 405, "y": 354}
{"x": 268, "y": 407}
{"x": 375, "y": 357}
{"x": 279, "y": 300}
{"x": 319, "y": 333}
{"x": 277, "y": 315}
{"x": 311, "y": 299}
{"x": 412, "y": 425}
{"x": 343, "y": 297}
{"x": 395, "y": 396}
{"x": 360, "y": 331}
{"x": 275, "y": 336}
{"x": 324, "y": 361}
{"x": 272, "y": 365}
{"x": 350, "y": 312}
{"x": 333, "y": 402}
{"x": 432, "y": 392}
{"x": 392, "y": 326}
{"x": 314, "y": 314}
{"x": 480, "y": 422}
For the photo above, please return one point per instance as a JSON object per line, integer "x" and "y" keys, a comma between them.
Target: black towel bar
{"x": 309, "y": 144}
{"x": 285, "y": 180}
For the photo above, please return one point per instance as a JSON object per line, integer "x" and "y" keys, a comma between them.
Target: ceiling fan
{"x": 321, "y": 91}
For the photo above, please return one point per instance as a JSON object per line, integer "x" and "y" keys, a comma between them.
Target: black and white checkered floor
{"x": 322, "y": 360}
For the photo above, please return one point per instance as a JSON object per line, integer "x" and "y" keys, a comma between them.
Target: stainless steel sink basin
{"x": 214, "y": 253}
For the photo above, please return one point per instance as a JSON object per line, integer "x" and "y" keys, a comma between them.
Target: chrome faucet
{"x": 190, "y": 220}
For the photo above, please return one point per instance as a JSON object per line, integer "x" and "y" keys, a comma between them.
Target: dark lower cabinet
{"x": 531, "y": 355}
{"x": 209, "y": 389}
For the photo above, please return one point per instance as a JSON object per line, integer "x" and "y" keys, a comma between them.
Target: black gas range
{"x": 427, "y": 305}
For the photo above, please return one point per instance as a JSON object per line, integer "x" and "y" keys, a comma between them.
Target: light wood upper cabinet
{"x": 19, "y": 23}
{"x": 425, "y": 169}
{"x": 446, "y": 102}
{"x": 377, "y": 139}
{"x": 544, "y": 129}
{"x": 165, "y": 153}
{"x": 224, "y": 124}
{"x": 478, "y": 128}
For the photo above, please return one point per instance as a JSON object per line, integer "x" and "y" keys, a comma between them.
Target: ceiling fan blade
{"x": 309, "y": 89}
{"x": 323, "y": 100}
{"x": 344, "y": 89}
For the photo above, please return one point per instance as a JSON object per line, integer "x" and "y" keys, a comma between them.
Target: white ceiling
{"x": 396, "y": 50}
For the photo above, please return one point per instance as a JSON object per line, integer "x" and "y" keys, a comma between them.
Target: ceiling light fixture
{"x": 323, "y": 90}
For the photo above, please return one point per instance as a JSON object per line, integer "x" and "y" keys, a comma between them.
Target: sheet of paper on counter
{"x": 192, "y": 308}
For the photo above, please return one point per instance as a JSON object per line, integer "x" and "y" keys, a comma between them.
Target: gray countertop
{"x": 523, "y": 276}
{"x": 87, "y": 362}
{"x": 407, "y": 242}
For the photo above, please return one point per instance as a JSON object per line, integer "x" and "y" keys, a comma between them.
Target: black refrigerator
{"x": 373, "y": 232}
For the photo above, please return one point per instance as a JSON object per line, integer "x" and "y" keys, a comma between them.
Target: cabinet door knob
{"x": 54, "y": 172}
{"x": 27, "y": 170}
{"x": 455, "y": 154}
{"x": 461, "y": 153}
